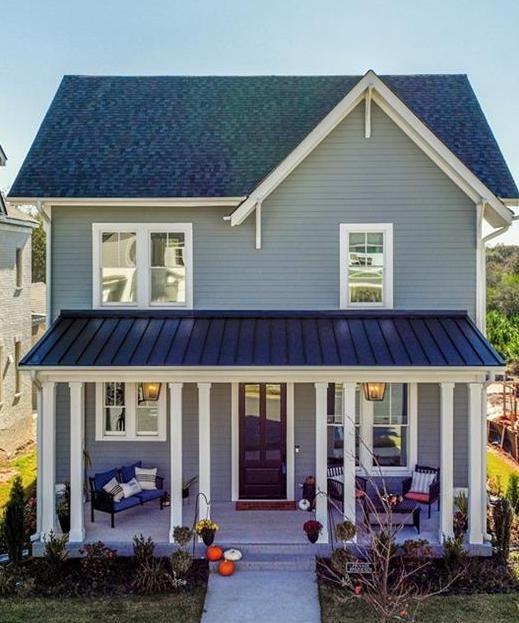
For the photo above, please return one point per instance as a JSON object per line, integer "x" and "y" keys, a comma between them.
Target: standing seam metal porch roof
{"x": 262, "y": 338}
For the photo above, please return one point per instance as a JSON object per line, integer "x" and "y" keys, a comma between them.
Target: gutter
{"x": 47, "y": 226}
{"x": 499, "y": 231}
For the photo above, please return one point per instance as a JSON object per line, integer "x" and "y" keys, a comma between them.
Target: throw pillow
{"x": 130, "y": 488}
{"x": 422, "y": 481}
{"x": 114, "y": 489}
{"x": 146, "y": 478}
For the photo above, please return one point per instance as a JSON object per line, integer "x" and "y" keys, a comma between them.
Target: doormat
{"x": 266, "y": 506}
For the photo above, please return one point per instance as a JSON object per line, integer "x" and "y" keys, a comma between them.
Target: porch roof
{"x": 262, "y": 338}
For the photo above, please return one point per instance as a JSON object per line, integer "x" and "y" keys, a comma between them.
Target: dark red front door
{"x": 262, "y": 441}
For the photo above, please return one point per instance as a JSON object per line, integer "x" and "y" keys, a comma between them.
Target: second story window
{"x": 142, "y": 265}
{"x": 366, "y": 265}
{"x": 19, "y": 267}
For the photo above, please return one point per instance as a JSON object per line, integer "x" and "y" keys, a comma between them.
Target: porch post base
{"x": 76, "y": 536}
{"x": 323, "y": 537}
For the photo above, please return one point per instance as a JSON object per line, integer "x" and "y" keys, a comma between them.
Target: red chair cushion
{"x": 359, "y": 493}
{"x": 417, "y": 497}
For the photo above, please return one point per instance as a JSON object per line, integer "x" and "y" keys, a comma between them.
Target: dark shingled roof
{"x": 262, "y": 338}
{"x": 193, "y": 136}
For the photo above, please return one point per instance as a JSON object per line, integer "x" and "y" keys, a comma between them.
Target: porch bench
{"x": 104, "y": 502}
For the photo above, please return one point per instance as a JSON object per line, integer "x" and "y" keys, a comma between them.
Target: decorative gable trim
{"x": 372, "y": 88}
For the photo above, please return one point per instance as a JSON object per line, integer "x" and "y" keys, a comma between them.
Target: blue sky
{"x": 41, "y": 40}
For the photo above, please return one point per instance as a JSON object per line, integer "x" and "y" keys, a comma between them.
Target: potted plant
{"x": 206, "y": 529}
{"x": 345, "y": 531}
{"x": 313, "y": 529}
{"x": 63, "y": 510}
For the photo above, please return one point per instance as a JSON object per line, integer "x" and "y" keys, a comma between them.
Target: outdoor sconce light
{"x": 374, "y": 392}
{"x": 150, "y": 391}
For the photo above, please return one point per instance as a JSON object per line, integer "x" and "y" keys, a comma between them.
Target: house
{"x": 251, "y": 279}
{"x": 16, "y": 424}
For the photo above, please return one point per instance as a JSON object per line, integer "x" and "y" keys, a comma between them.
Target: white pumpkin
{"x": 304, "y": 504}
{"x": 232, "y": 554}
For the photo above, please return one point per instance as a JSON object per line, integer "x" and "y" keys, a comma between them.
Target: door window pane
{"x": 114, "y": 408}
{"x": 168, "y": 271}
{"x": 252, "y": 423}
{"x": 273, "y": 427}
{"x": 118, "y": 267}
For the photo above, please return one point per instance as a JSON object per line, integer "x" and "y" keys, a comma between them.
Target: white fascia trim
{"x": 16, "y": 225}
{"x": 407, "y": 121}
{"x": 188, "y": 202}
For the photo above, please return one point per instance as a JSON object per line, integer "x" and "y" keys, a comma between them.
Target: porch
{"x": 199, "y": 428}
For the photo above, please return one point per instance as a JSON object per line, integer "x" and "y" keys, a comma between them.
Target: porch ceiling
{"x": 150, "y": 338}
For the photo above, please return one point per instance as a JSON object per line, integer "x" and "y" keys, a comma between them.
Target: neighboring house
{"x": 16, "y": 422}
{"x": 238, "y": 266}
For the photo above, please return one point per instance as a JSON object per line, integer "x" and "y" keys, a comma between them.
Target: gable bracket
{"x": 367, "y": 112}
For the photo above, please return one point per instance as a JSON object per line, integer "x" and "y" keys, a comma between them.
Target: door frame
{"x": 235, "y": 441}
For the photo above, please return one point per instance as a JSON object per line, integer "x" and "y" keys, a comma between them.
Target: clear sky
{"x": 41, "y": 40}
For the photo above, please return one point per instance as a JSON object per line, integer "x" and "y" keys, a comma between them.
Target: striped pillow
{"x": 114, "y": 489}
{"x": 422, "y": 481}
{"x": 146, "y": 478}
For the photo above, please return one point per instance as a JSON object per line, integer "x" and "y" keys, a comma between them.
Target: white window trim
{"x": 142, "y": 231}
{"x": 387, "y": 230}
{"x": 130, "y": 433}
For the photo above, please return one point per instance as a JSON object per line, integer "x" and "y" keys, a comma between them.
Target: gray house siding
{"x": 346, "y": 179}
{"x": 106, "y": 455}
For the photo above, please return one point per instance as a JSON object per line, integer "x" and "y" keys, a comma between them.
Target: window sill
{"x": 118, "y": 438}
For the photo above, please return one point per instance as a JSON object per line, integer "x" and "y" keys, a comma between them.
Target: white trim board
{"x": 185, "y": 202}
{"x": 372, "y": 86}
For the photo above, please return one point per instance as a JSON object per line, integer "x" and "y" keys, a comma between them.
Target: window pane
{"x": 168, "y": 272}
{"x": 375, "y": 249}
{"x": 357, "y": 249}
{"x": 148, "y": 418}
{"x": 252, "y": 423}
{"x": 118, "y": 270}
{"x": 115, "y": 419}
{"x": 398, "y": 403}
{"x": 365, "y": 285}
{"x": 273, "y": 429}
{"x": 390, "y": 446}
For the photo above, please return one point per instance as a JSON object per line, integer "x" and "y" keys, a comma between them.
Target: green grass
{"x": 500, "y": 468}
{"x": 25, "y": 466}
{"x": 442, "y": 609}
{"x": 177, "y": 608}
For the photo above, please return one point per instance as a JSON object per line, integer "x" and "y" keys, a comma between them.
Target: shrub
{"x": 97, "y": 563}
{"x": 152, "y": 577}
{"x": 29, "y": 519}
{"x": 503, "y": 516}
{"x": 454, "y": 555}
{"x": 182, "y": 535}
{"x": 512, "y": 492}
{"x": 143, "y": 549}
{"x": 13, "y": 522}
{"x": 181, "y": 562}
{"x": 14, "y": 580}
{"x": 339, "y": 560}
{"x": 416, "y": 548}
{"x": 345, "y": 531}
{"x": 56, "y": 550}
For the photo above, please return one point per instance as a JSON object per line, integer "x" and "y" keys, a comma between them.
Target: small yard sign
{"x": 359, "y": 568}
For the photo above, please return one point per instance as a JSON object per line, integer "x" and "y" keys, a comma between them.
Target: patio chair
{"x": 336, "y": 485}
{"x": 426, "y": 481}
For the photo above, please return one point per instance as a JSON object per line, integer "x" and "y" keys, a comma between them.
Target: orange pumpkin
{"x": 214, "y": 553}
{"x": 226, "y": 567}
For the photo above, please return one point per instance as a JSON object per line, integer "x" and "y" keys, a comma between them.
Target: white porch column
{"x": 175, "y": 456}
{"x": 476, "y": 483}
{"x": 47, "y": 448}
{"x": 77, "y": 427}
{"x": 204, "y": 448}
{"x": 321, "y": 459}
{"x": 446, "y": 460}
{"x": 39, "y": 445}
{"x": 348, "y": 419}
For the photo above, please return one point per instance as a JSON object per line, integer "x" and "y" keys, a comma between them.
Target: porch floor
{"x": 236, "y": 527}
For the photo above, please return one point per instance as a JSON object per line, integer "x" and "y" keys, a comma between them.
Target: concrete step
{"x": 273, "y": 548}
{"x": 270, "y": 562}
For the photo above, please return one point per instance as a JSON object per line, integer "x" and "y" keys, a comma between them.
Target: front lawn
{"x": 442, "y": 609}
{"x": 173, "y": 608}
{"x": 23, "y": 465}
{"x": 500, "y": 467}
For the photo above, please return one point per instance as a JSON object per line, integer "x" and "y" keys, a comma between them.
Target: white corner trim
{"x": 387, "y": 230}
{"x": 235, "y": 442}
{"x": 407, "y": 121}
{"x": 290, "y": 441}
{"x": 143, "y": 231}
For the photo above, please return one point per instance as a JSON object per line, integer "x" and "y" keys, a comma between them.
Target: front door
{"x": 263, "y": 441}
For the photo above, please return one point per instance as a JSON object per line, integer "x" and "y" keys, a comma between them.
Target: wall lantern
{"x": 374, "y": 392}
{"x": 150, "y": 391}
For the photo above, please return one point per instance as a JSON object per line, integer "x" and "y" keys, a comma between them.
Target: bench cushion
{"x": 102, "y": 478}
{"x": 416, "y": 496}
{"x": 126, "y": 503}
{"x": 153, "y": 494}
{"x": 128, "y": 471}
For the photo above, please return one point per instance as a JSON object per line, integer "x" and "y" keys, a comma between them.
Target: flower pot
{"x": 207, "y": 537}
{"x": 64, "y": 522}
{"x": 312, "y": 536}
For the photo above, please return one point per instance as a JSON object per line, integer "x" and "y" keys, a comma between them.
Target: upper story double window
{"x": 141, "y": 265}
{"x": 366, "y": 262}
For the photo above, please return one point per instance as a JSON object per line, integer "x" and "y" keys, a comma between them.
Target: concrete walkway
{"x": 262, "y": 597}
